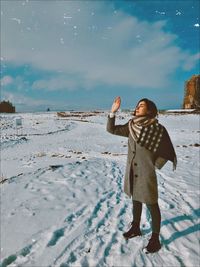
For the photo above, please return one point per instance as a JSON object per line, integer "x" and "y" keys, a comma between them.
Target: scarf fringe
{"x": 174, "y": 163}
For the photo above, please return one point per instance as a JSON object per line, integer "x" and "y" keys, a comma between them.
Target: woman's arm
{"x": 121, "y": 130}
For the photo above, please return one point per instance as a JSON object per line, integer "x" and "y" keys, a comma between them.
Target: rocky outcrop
{"x": 6, "y": 106}
{"x": 192, "y": 93}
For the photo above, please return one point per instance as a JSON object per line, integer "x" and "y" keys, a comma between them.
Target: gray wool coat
{"x": 140, "y": 179}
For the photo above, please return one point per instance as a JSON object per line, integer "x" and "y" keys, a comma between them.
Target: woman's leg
{"x": 135, "y": 225}
{"x": 155, "y": 216}
{"x": 154, "y": 242}
{"x": 137, "y": 211}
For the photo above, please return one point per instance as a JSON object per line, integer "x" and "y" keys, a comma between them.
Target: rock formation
{"x": 6, "y": 106}
{"x": 192, "y": 93}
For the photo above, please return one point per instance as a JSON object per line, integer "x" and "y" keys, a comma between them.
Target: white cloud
{"x": 6, "y": 80}
{"x": 25, "y": 103}
{"x": 91, "y": 53}
{"x": 57, "y": 83}
{"x": 17, "y": 83}
{"x": 189, "y": 61}
{"x": 19, "y": 99}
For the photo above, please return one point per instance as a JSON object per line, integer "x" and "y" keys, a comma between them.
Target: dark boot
{"x": 154, "y": 244}
{"x": 133, "y": 231}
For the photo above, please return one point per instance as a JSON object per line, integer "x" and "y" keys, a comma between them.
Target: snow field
{"x": 63, "y": 202}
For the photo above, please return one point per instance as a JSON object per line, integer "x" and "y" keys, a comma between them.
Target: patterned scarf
{"x": 146, "y": 132}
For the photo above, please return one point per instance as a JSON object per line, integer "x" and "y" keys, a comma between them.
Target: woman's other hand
{"x": 116, "y": 104}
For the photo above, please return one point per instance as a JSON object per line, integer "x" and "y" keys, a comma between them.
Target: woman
{"x": 149, "y": 146}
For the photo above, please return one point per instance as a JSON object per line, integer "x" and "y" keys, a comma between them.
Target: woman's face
{"x": 141, "y": 109}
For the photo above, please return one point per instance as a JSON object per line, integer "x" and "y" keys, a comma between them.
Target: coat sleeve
{"x": 121, "y": 130}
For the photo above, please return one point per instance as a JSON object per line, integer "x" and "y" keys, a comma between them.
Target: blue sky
{"x": 80, "y": 55}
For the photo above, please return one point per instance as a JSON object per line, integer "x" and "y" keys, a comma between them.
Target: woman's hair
{"x": 151, "y": 106}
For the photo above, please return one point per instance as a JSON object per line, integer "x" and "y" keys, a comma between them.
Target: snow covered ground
{"x": 63, "y": 202}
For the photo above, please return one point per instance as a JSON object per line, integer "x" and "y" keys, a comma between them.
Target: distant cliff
{"x": 192, "y": 93}
{"x": 6, "y": 106}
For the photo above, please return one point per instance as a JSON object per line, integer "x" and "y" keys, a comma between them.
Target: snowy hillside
{"x": 62, "y": 199}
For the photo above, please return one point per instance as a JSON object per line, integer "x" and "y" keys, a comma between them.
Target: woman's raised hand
{"x": 116, "y": 104}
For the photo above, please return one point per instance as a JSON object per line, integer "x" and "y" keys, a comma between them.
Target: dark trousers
{"x": 154, "y": 211}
